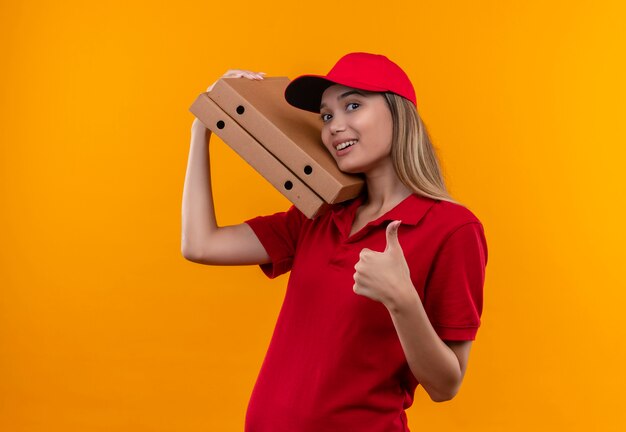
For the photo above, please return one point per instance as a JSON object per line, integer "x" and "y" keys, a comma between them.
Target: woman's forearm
{"x": 198, "y": 213}
{"x": 433, "y": 363}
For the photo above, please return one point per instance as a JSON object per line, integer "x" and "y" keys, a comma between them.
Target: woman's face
{"x": 357, "y": 128}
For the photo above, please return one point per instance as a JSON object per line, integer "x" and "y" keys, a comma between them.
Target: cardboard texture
{"x": 310, "y": 204}
{"x": 292, "y": 135}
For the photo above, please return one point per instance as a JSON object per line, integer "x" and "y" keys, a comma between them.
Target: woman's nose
{"x": 337, "y": 125}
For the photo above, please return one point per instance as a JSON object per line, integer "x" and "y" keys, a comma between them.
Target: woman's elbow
{"x": 441, "y": 397}
{"x": 188, "y": 255}
{"x": 186, "y": 250}
{"x": 444, "y": 394}
{"x": 192, "y": 254}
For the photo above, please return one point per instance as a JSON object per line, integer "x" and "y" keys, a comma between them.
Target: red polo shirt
{"x": 335, "y": 362}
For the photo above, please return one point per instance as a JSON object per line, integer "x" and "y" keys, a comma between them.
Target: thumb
{"x": 392, "y": 235}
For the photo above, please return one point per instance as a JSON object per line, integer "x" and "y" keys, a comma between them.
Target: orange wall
{"x": 105, "y": 327}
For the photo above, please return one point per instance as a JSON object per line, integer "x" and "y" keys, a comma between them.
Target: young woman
{"x": 385, "y": 290}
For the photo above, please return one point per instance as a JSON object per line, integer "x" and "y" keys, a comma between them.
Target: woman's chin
{"x": 348, "y": 168}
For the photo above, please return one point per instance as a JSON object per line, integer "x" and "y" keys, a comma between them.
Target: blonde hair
{"x": 413, "y": 155}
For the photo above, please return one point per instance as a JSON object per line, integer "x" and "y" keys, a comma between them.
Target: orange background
{"x": 104, "y": 326}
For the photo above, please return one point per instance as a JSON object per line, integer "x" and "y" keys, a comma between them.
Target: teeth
{"x": 346, "y": 144}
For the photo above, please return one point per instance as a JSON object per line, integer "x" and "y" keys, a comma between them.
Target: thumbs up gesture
{"x": 384, "y": 276}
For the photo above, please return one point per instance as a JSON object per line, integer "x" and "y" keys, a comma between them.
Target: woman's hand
{"x": 384, "y": 276}
{"x": 231, "y": 73}
{"x": 238, "y": 73}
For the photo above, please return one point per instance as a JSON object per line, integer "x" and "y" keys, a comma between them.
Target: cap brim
{"x": 305, "y": 92}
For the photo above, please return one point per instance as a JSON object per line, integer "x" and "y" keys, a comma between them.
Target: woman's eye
{"x": 352, "y": 106}
{"x": 325, "y": 117}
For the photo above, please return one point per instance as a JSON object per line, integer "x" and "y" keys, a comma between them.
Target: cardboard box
{"x": 292, "y": 135}
{"x": 257, "y": 156}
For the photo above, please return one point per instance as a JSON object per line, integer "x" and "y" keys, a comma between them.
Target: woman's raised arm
{"x": 202, "y": 241}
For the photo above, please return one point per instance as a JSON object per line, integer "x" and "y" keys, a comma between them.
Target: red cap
{"x": 364, "y": 71}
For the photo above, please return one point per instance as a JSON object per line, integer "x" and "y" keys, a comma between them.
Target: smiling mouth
{"x": 346, "y": 144}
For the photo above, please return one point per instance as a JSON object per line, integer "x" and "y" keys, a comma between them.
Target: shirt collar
{"x": 410, "y": 211}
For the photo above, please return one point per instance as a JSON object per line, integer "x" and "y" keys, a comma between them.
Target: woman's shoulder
{"x": 329, "y": 211}
{"x": 452, "y": 215}
{"x": 340, "y": 207}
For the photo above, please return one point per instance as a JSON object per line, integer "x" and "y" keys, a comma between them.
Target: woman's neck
{"x": 384, "y": 190}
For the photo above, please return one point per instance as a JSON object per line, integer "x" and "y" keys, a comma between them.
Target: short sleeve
{"x": 453, "y": 296}
{"x": 278, "y": 233}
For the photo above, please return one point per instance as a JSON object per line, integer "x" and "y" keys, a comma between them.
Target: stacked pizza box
{"x": 279, "y": 141}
